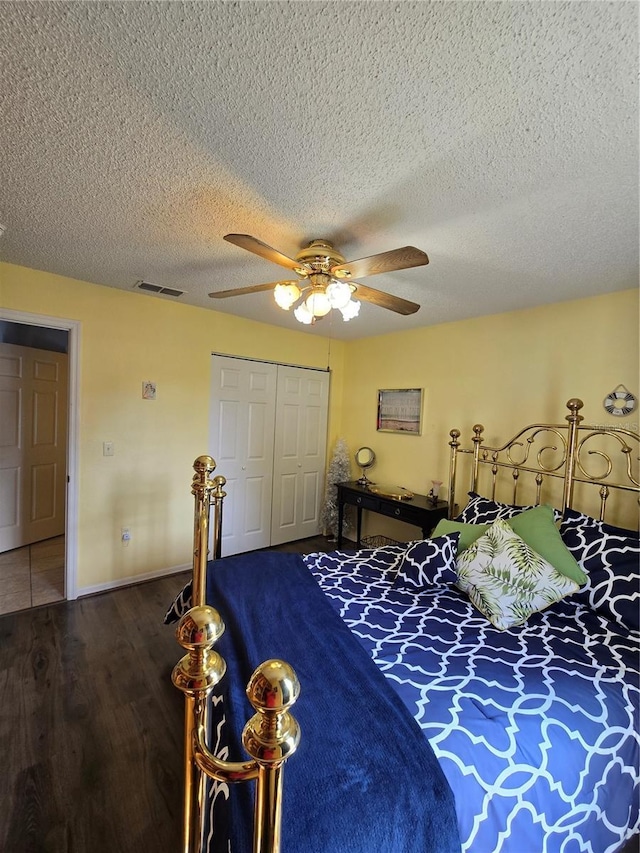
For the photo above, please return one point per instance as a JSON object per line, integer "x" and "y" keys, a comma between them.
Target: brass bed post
{"x": 217, "y": 497}
{"x": 194, "y": 668}
{"x": 270, "y": 736}
{"x": 574, "y": 405}
{"x": 454, "y": 444}
{"x": 196, "y": 674}
{"x": 478, "y": 429}
{"x": 201, "y": 488}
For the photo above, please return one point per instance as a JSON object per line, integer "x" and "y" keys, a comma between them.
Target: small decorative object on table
{"x": 397, "y": 492}
{"x": 434, "y": 491}
{"x": 365, "y": 457}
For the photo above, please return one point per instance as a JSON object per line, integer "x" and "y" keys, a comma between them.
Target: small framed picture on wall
{"x": 400, "y": 410}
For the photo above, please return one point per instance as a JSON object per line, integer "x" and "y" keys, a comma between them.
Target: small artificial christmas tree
{"x": 339, "y": 471}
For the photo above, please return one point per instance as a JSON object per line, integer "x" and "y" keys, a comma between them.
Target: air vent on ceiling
{"x": 156, "y": 288}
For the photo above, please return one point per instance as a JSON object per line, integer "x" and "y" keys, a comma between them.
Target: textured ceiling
{"x": 499, "y": 137}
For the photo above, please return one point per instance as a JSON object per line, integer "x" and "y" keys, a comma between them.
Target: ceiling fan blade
{"x": 384, "y": 300}
{"x": 396, "y": 259}
{"x": 251, "y": 244}
{"x": 240, "y": 291}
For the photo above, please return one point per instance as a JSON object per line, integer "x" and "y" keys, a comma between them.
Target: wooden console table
{"x": 419, "y": 510}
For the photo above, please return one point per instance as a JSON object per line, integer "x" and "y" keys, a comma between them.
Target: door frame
{"x": 73, "y": 327}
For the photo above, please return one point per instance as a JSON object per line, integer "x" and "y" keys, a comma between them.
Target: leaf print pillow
{"x": 506, "y": 580}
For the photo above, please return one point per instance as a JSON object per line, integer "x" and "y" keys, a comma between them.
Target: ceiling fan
{"x": 326, "y": 279}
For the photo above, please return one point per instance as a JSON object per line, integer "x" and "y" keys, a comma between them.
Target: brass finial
{"x": 478, "y": 429}
{"x": 272, "y": 734}
{"x": 200, "y": 628}
{"x": 204, "y": 463}
{"x": 203, "y": 467}
{"x": 574, "y": 405}
{"x": 218, "y": 484}
{"x": 202, "y": 668}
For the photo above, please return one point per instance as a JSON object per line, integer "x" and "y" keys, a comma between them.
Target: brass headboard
{"x": 570, "y": 464}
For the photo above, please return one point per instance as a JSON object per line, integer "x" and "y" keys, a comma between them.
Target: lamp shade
{"x": 351, "y": 310}
{"x": 318, "y": 303}
{"x": 303, "y": 315}
{"x": 286, "y": 293}
{"x": 339, "y": 293}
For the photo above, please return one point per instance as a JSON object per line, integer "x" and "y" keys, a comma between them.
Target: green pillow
{"x": 538, "y": 529}
{"x": 468, "y": 532}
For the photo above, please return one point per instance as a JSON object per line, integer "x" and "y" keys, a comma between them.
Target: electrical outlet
{"x": 125, "y": 534}
{"x": 108, "y": 449}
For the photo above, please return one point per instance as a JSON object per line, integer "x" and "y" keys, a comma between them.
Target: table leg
{"x": 340, "y": 519}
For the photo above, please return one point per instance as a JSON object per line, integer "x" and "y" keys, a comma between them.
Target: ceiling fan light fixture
{"x": 322, "y": 285}
{"x": 350, "y": 310}
{"x": 286, "y": 293}
{"x": 338, "y": 293}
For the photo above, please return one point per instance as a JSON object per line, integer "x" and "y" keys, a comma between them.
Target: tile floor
{"x": 32, "y": 575}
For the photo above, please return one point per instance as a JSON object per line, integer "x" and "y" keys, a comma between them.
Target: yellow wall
{"x": 503, "y": 371}
{"x": 127, "y": 338}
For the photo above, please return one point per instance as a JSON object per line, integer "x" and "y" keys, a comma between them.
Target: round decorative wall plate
{"x": 620, "y": 402}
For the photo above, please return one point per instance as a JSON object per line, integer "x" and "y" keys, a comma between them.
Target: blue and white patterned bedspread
{"x": 536, "y": 728}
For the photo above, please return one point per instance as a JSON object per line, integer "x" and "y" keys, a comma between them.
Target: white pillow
{"x": 506, "y": 580}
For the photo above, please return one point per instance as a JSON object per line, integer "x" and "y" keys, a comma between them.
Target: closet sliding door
{"x": 268, "y": 433}
{"x": 299, "y": 455}
{"x": 242, "y": 424}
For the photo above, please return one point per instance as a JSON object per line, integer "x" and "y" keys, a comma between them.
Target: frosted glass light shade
{"x": 286, "y": 293}
{"x": 339, "y": 293}
{"x": 303, "y": 315}
{"x": 318, "y": 303}
{"x": 351, "y": 310}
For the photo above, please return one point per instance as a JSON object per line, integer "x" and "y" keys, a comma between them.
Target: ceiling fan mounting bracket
{"x": 320, "y": 255}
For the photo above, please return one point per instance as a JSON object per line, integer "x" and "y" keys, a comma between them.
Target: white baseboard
{"x": 148, "y": 576}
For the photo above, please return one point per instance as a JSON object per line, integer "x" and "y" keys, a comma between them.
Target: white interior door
{"x": 299, "y": 453}
{"x": 33, "y": 438}
{"x": 242, "y": 422}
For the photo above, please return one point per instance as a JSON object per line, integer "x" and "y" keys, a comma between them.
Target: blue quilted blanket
{"x": 364, "y": 777}
{"x": 536, "y": 728}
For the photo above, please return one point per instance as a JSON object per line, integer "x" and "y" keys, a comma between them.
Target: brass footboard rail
{"x": 270, "y": 736}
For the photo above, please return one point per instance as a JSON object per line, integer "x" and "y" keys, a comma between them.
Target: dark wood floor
{"x": 91, "y": 725}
